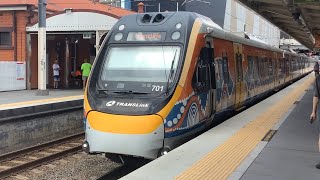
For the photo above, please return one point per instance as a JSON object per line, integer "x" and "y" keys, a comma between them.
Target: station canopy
{"x": 298, "y": 18}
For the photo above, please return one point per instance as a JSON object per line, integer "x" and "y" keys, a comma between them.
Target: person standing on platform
{"x": 56, "y": 74}
{"x": 316, "y": 69}
{"x": 315, "y": 110}
{"x": 86, "y": 68}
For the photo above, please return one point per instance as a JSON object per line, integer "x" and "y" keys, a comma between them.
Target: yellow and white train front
{"x": 128, "y": 88}
{"x": 133, "y": 87}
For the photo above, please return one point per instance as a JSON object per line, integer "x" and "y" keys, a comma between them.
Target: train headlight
{"x": 178, "y": 26}
{"x": 121, "y": 27}
{"x": 86, "y": 147}
{"x": 175, "y": 35}
{"x": 118, "y": 36}
{"x": 163, "y": 151}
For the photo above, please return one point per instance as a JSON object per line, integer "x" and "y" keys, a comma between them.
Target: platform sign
{"x": 20, "y": 71}
{"x": 305, "y": 1}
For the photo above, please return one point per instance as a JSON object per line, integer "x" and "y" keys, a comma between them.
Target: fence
{"x": 12, "y": 76}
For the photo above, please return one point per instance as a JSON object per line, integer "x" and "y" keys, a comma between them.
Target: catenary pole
{"x": 42, "y": 60}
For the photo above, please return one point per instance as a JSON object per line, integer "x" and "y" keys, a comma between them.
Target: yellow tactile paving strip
{"x": 41, "y": 101}
{"x": 222, "y": 161}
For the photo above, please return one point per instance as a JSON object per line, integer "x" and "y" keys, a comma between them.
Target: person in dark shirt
{"x": 315, "y": 107}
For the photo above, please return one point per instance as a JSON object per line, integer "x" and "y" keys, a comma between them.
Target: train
{"x": 159, "y": 78}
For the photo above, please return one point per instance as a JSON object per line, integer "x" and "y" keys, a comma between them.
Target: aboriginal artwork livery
{"x": 186, "y": 113}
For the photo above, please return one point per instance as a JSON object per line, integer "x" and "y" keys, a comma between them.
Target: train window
{"x": 256, "y": 68}
{"x": 225, "y": 69}
{"x": 283, "y": 69}
{"x": 260, "y": 68}
{"x": 270, "y": 68}
{"x": 137, "y": 66}
{"x": 201, "y": 76}
{"x": 287, "y": 66}
{"x": 200, "y": 80}
{"x": 250, "y": 68}
{"x": 279, "y": 67}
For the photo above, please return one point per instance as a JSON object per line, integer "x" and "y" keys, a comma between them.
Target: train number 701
{"x": 157, "y": 88}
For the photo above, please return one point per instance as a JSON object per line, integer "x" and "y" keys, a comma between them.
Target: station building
{"x": 75, "y": 30}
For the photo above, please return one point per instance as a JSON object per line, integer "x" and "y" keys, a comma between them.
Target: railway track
{"x": 29, "y": 158}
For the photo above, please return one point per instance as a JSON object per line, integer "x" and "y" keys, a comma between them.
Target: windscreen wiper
{"x": 121, "y": 91}
{"x": 102, "y": 90}
{"x": 129, "y": 92}
{"x": 171, "y": 72}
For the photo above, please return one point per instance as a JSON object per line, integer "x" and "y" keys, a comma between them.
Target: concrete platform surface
{"x": 10, "y": 97}
{"x": 293, "y": 151}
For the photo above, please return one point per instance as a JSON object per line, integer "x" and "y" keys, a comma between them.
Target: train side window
{"x": 270, "y": 68}
{"x": 225, "y": 69}
{"x": 256, "y": 68}
{"x": 250, "y": 68}
{"x": 200, "y": 80}
{"x": 260, "y": 69}
{"x": 208, "y": 56}
{"x": 279, "y": 67}
{"x": 283, "y": 68}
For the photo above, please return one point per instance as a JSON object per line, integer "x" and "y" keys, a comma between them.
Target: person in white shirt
{"x": 56, "y": 77}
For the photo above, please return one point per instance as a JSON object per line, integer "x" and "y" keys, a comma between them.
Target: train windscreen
{"x": 142, "y": 69}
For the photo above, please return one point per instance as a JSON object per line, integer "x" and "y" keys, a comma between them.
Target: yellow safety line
{"x": 68, "y": 98}
{"x": 223, "y": 160}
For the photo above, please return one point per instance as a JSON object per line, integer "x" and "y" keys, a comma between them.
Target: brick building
{"x": 72, "y": 28}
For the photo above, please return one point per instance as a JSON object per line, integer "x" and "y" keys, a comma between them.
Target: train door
{"x": 239, "y": 95}
{"x": 201, "y": 84}
{"x": 212, "y": 90}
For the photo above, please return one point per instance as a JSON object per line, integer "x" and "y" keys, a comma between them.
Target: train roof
{"x": 189, "y": 18}
{"x": 224, "y": 34}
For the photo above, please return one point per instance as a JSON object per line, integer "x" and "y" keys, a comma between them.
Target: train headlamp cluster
{"x": 176, "y": 35}
{"x": 119, "y": 35}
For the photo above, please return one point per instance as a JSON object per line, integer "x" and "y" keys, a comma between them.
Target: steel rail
{"x": 15, "y": 154}
{"x": 37, "y": 162}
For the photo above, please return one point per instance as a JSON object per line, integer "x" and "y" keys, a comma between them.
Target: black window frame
{"x": 250, "y": 66}
{"x": 9, "y": 31}
{"x": 225, "y": 69}
{"x": 200, "y": 79}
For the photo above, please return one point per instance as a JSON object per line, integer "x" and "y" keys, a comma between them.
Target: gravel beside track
{"x": 80, "y": 166}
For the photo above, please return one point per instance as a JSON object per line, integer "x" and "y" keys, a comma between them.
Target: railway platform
{"x": 11, "y": 99}
{"x": 25, "y": 102}
{"x": 271, "y": 140}
{"x": 27, "y": 120}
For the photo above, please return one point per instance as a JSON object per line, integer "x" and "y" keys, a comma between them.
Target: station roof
{"x": 298, "y": 18}
{"x": 61, "y": 5}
